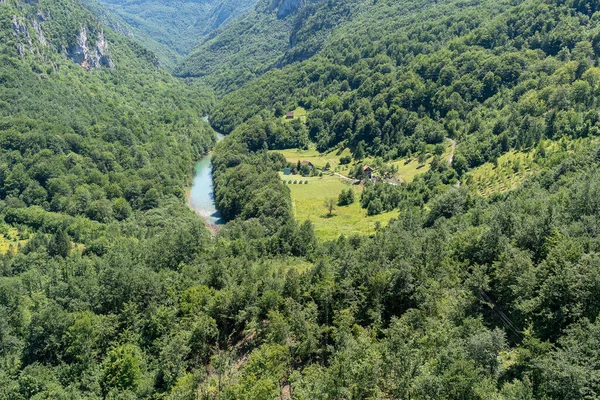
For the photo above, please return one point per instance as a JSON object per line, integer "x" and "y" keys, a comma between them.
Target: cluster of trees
{"x": 346, "y": 197}
{"x": 262, "y": 132}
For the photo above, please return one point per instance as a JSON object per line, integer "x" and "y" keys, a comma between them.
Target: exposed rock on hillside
{"x": 91, "y": 57}
{"x": 29, "y": 35}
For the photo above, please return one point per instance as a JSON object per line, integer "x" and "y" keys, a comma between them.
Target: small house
{"x": 290, "y": 115}
{"x": 310, "y": 165}
{"x": 287, "y": 171}
{"x": 368, "y": 172}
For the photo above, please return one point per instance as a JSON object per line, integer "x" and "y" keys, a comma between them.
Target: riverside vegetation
{"x": 117, "y": 291}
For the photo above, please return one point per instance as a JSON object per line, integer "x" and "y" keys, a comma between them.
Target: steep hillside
{"x": 82, "y": 112}
{"x": 274, "y": 34}
{"x": 403, "y": 75}
{"x": 167, "y": 57}
{"x": 178, "y": 24}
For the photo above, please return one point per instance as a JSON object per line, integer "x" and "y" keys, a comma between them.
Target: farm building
{"x": 368, "y": 172}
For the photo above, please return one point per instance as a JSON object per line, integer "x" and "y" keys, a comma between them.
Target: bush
{"x": 306, "y": 182}
{"x": 346, "y": 197}
{"x": 375, "y": 207}
{"x": 295, "y": 182}
{"x": 345, "y": 160}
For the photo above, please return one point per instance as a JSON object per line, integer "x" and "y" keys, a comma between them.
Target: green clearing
{"x": 319, "y": 160}
{"x": 308, "y": 204}
{"x": 299, "y": 113}
{"x": 511, "y": 169}
{"x": 407, "y": 169}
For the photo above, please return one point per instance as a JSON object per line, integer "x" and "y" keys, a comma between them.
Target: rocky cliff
{"x": 29, "y": 30}
{"x": 89, "y": 56}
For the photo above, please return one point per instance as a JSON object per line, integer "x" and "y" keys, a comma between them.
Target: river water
{"x": 201, "y": 197}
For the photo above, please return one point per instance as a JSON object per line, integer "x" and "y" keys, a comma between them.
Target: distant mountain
{"x": 178, "y": 24}
{"x": 167, "y": 57}
{"x": 274, "y": 34}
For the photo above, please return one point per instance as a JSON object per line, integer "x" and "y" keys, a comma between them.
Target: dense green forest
{"x": 110, "y": 288}
{"x": 491, "y": 76}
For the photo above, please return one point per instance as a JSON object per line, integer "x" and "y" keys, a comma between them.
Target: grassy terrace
{"x": 508, "y": 173}
{"x": 308, "y": 203}
{"x": 511, "y": 169}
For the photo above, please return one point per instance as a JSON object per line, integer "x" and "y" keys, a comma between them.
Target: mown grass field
{"x": 308, "y": 203}
{"x": 319, "y": 160}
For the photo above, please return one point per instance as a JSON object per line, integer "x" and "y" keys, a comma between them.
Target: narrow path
{"x": 346, "y": 178}
{"x": 451, "y": 156}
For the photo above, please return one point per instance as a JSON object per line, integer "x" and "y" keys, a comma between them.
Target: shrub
{"x": 345, "y": 160}
{"x": 346, "y": 197}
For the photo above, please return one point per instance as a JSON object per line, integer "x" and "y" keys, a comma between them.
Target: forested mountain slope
{"x": 167, "y": 56}
{"x": 96, "y": 144}
{"x": 178, "y": 24}
{"x": 492, "y": 75}
{"x": 274, "y": 34}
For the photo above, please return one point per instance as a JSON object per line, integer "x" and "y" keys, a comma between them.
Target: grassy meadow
{"x": 319, "y": 160}
{"x": 308, "y": 203}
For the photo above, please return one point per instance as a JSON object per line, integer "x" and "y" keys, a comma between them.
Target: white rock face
{"x": 21, "y": 33}
{"x": 95, "y": 57}
{"x": 40, "y": 34}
